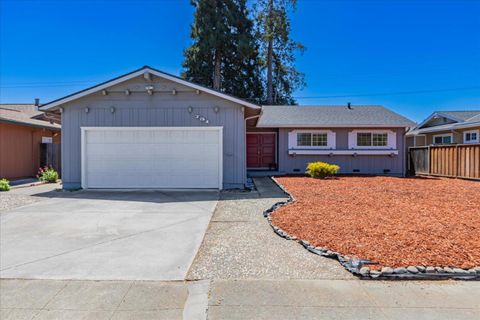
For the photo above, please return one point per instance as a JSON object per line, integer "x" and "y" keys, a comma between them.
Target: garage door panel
{"x": 152, "y": 158}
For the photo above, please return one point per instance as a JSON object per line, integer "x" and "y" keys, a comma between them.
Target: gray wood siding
{"x": 367, "y": 164}
{"x": 161, "y": 109}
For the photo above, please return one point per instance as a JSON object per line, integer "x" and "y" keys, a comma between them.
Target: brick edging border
{"x": 360, "y": 267}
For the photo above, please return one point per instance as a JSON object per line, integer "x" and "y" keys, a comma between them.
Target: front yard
{"x": 395, "y": 222}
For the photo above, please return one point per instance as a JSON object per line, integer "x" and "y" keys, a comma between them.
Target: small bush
{"x": 4, "y": 185}
{"x": 47, "y": 174}
{"x": 321, "y": 170}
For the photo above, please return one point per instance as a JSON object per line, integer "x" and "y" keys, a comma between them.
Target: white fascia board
{"x": 140, "y": 72}
{"x": 466, "y": 125}
{"x": 342, "y": 152}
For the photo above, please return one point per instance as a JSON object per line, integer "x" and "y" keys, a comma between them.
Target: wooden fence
{"x": 50, "y": 156}
{"x": 460, "y": 161}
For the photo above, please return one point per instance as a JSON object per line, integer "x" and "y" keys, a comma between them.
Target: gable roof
{"x": 463, "y": 119}
{"x": 331, "y": 116}
{"x": 139, "y": 72}
{"x": 24, "y": 114}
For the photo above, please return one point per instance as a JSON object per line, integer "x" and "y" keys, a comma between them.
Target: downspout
{"x": 406, "y": 157}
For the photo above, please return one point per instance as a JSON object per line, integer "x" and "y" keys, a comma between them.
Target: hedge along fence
{"x": 457, "y": 161}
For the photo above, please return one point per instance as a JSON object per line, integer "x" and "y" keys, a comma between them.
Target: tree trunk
{"x": 217, "y": 71}
{"x": 270, "y": 54}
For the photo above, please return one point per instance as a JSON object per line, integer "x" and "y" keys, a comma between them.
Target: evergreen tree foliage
{"x": 224, "y": 54}
{"x": 278, "y": 51}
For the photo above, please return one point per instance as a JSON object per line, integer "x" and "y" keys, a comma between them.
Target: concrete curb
{"x": 359, "y": 267}
{"x": 196, "y": 306}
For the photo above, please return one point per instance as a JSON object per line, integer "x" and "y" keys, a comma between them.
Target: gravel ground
{"x": 9, "y": 200}
{"x": 240, "y": 244}
{"x": 19, "y": 197}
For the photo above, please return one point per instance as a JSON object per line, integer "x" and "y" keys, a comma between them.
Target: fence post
{"x": 429, "y": 160}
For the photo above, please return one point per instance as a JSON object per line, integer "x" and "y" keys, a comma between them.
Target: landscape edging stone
{"x": 360, "y": 267}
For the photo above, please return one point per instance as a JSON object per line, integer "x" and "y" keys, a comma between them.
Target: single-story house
{"x": 446, "y": 127}
{"x": 23, "y": 128}
{"x": 150, "y": 129}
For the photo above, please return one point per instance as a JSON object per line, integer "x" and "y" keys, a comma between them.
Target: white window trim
{"x": 443, "y": 135}
{"x": 471, "y": 141}
{"x": 331, "y": 140}
{"x": 391, "y": 140}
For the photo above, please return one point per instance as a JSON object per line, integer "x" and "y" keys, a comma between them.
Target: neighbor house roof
{"x": 139, "y": 72}
{"x": 331, "y": 116}
{"x": 24, "y": 114}
{"x": 463, "y": 119}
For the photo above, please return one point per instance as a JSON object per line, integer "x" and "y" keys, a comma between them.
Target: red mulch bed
{"x": 395, "y": 222}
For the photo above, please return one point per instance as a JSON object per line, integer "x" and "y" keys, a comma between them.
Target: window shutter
{"x": 292, "y": 139}
{"x": 331, "y": 140}
{"x": 392, "y": 139}
{"x": 352, "y": 140}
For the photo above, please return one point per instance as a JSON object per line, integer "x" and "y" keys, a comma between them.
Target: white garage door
{"x": 153, "y": 157}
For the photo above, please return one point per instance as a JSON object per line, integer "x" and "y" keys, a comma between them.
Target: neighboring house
{"x": 22, "y": 129}
{"x": 447, "y": 127}
{"x": 149, "y": 129}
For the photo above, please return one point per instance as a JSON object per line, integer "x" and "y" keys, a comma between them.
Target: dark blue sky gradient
{"x": 365, "y": 52}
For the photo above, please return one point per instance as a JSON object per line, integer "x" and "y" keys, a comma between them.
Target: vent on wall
{"x": 386, "y": 170}
{"x": 356, "y": 170}
{"x": 296, "y": 170}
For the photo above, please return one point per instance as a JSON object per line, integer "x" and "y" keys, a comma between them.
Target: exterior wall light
{"x": 174, "y": 92}
{"x": 216, "y": 109}
{"x": 128, "y": 92}
{"x": 60, "y": 109}
{"x": 197, "y": 91}
{"x": 243, "y": 109}
{"x": 87, "y": 110}
{"x": 190, "y": 109}
{"x": 149, "y": 89}
{"x": 104, "y": 92}
{"x": 112, "y": 109}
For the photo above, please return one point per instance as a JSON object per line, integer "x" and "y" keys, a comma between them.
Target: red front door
{"x": 261, "y": 150}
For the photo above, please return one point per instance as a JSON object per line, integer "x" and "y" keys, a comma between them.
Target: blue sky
{"x": 363, "y": 52}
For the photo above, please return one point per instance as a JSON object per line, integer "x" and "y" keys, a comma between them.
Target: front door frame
{"x": 276, "y": 148}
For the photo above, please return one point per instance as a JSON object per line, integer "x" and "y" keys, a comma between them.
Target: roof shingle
{"x": 324, "y": 116}
{"x": 24, "y": 114}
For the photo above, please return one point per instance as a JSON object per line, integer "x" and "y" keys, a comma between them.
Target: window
{"x": 307, "y": 139}
{"x": 369, "y": 139}
{"x": 471, "y": 136}
{"x": 380, "y": 139}
{"x": 443, "y": 139}
{"x": 364, "y": 139}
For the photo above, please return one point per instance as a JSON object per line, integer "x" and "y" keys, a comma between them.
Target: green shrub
{"x": 47, "y": 174}
{"x": 4, "y": 185}
{"x": 321, "y": 169}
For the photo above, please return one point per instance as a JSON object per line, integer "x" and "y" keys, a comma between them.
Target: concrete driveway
{"x": 100, "y": 235}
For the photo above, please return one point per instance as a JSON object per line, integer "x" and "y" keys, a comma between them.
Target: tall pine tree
{"x": 224, "y": 53}
{"x": 278, "y": 51}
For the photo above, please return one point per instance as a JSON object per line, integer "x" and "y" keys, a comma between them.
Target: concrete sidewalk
{"x": 343, "y": 299}
{"x": 239, "y": 299}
